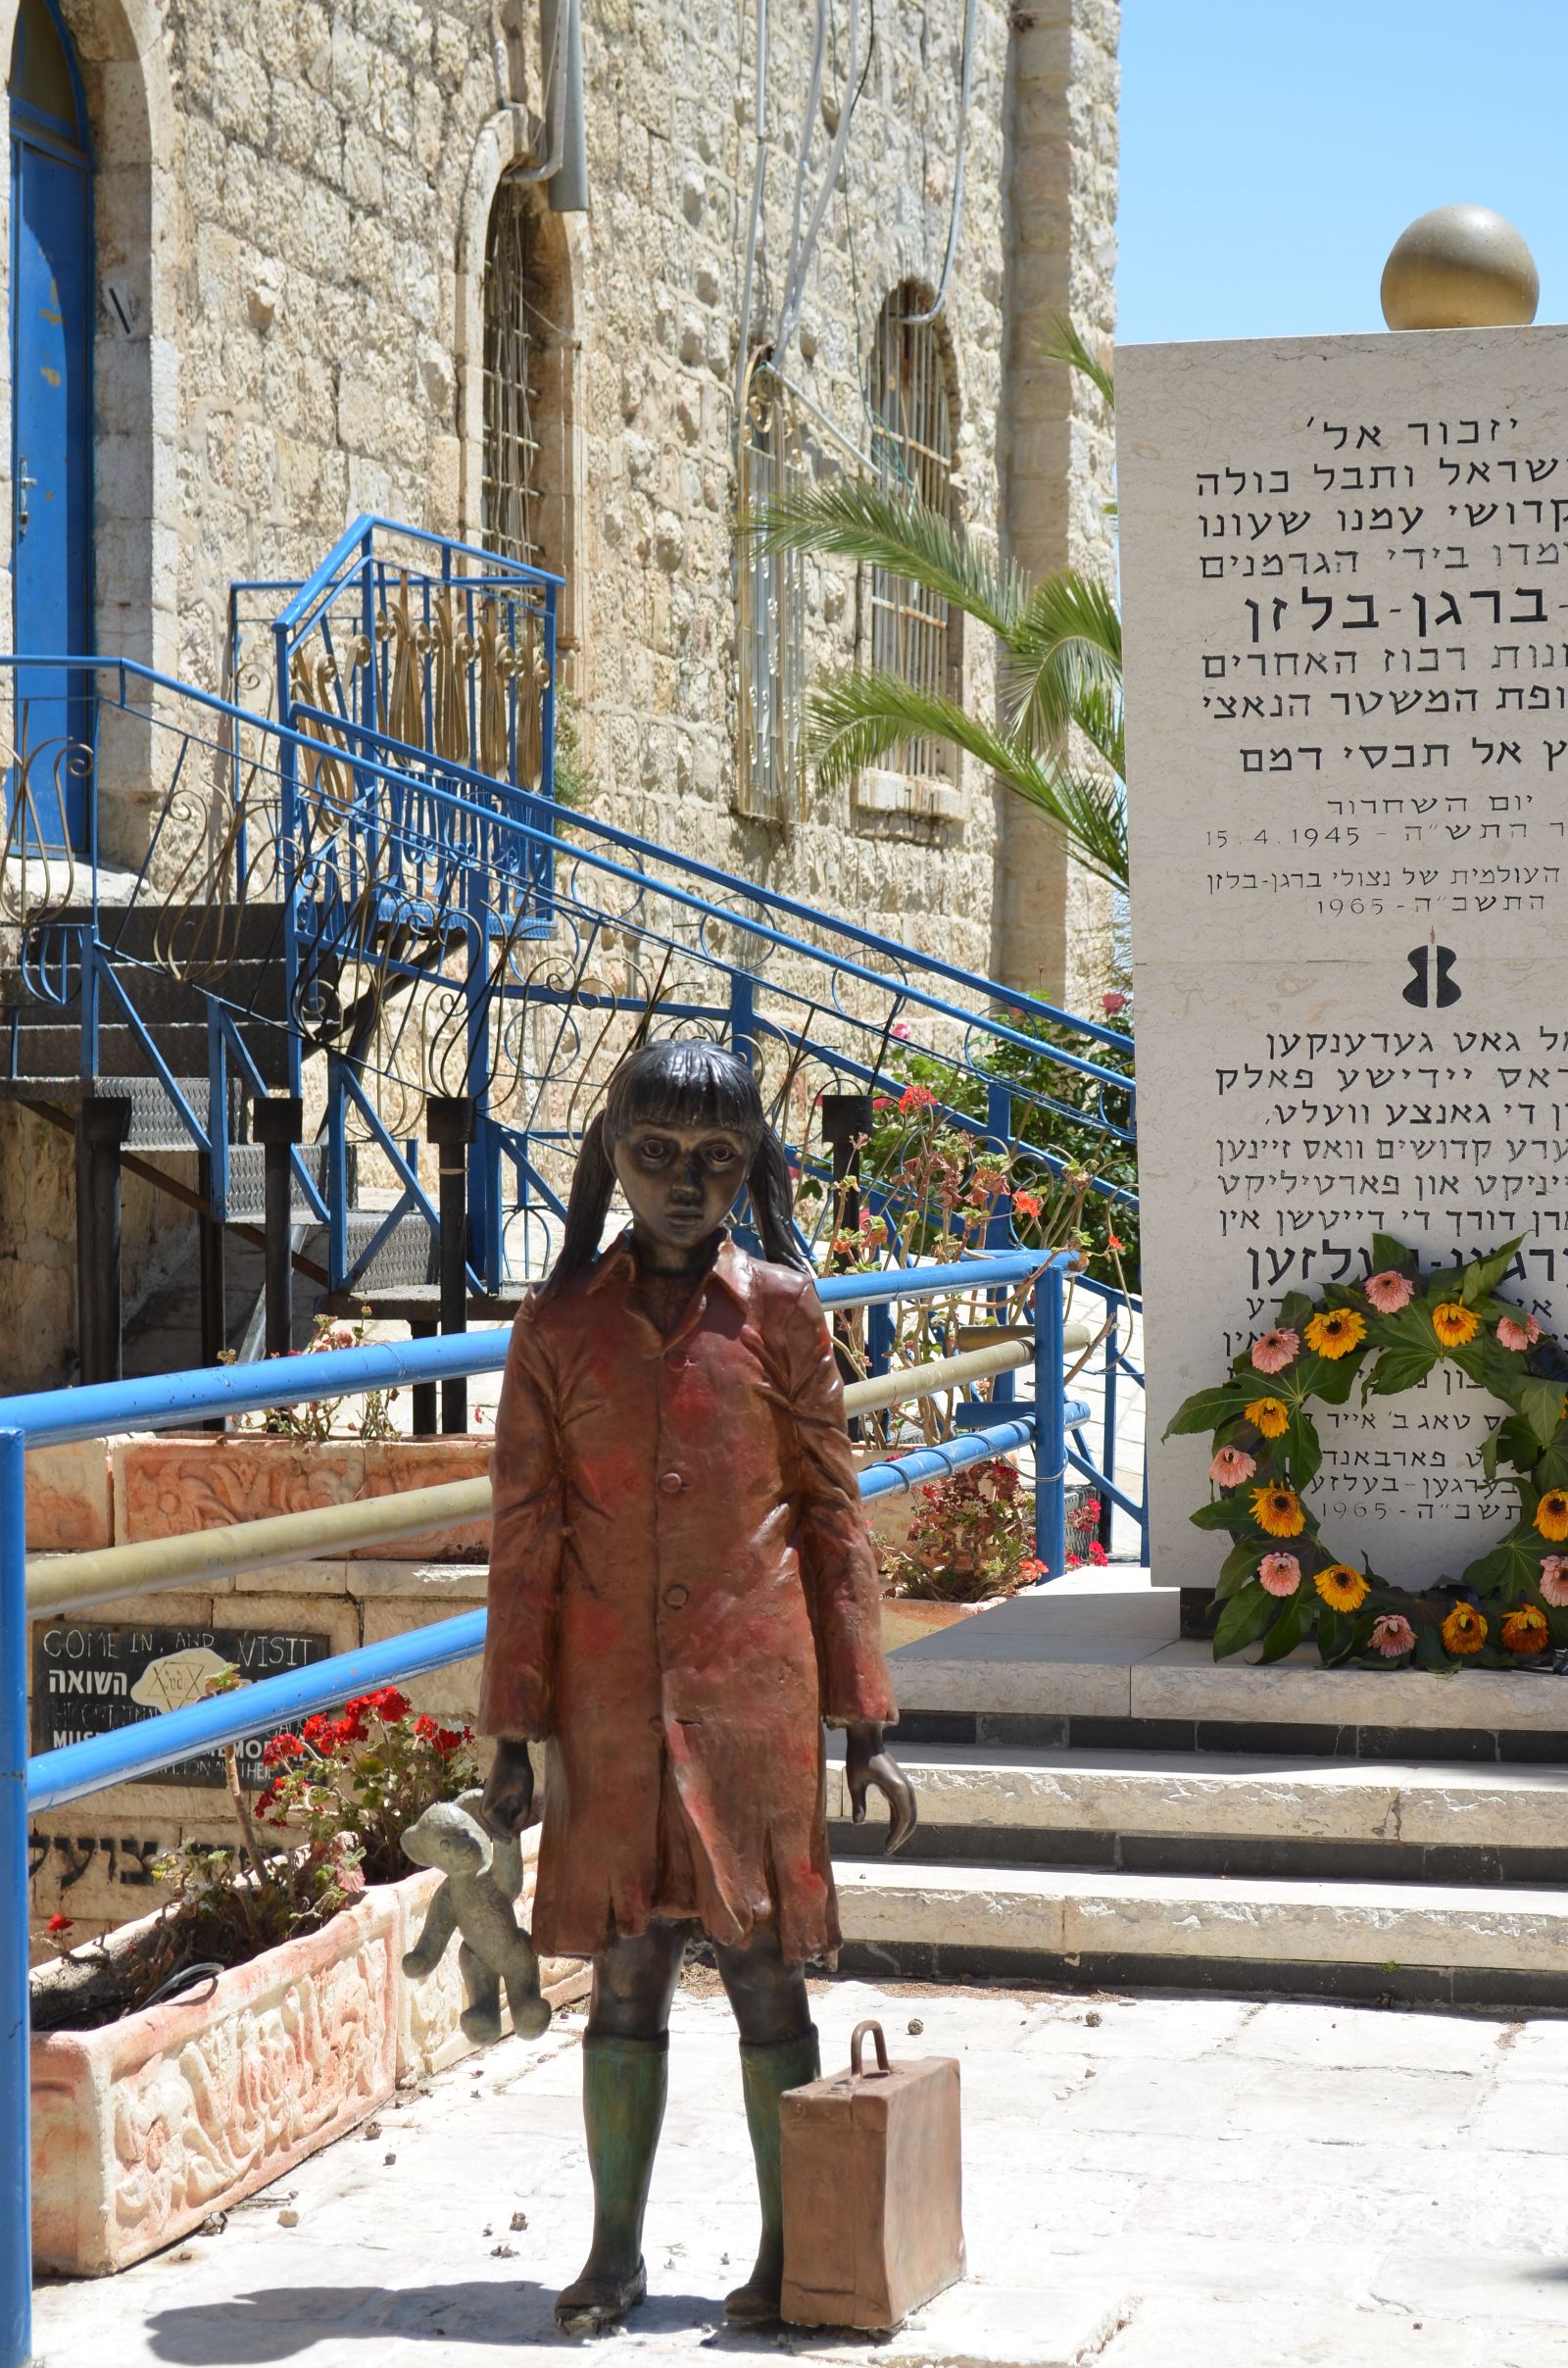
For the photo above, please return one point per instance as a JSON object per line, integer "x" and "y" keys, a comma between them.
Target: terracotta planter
{"x": 141, "y": 2129}
{"x": 166, "y": 1487}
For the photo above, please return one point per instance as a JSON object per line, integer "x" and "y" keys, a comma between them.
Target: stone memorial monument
{"x": 1344, "y": 563}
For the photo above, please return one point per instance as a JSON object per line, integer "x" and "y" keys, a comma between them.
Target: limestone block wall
{"x": 291, "y": 331}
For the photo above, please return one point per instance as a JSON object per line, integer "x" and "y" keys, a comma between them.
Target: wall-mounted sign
{"x": 88, "y": 1680}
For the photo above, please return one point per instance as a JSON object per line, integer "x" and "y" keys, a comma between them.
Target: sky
{"x": 1273, "y": 150}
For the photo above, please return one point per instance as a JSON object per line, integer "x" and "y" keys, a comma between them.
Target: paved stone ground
{"x": 1150, "y": 2182}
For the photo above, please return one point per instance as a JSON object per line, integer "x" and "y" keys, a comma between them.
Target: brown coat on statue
{"x": 683, "y": 1589}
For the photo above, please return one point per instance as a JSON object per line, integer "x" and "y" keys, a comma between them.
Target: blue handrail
{"x": 157, "y": 1404}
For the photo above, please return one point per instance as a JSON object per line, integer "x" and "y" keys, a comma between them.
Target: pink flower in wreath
{"x": 1276, "y": 1350}
{"x": 1280, "y": 1573}
{"x": 1389, "y": 1292}
{"x": 1230, "y": 1466}
{"x": 1518, "y": 1336}
{"x": 1555, "y": 1579}
{"x": 1392, "y": 1635}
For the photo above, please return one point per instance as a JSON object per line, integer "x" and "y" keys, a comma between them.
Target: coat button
{"x": 677, "y": 1360}
{"x": 675, "y": 1595}
{"x": 671, "y": 1483}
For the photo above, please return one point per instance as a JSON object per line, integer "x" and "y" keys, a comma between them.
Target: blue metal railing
{"x": 168, "y": 1402}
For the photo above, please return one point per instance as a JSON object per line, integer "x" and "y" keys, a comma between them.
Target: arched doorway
{"x": 51, "y": 420}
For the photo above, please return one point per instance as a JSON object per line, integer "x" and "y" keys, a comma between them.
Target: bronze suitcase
{"x": 872, "y": 2190}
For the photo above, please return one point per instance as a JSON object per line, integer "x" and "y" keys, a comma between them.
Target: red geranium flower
{"x": 280, "y": 1748}
{"x": 58, "y": 1924}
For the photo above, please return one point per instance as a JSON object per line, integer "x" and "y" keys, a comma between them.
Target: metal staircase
{"x": 374, "y": 977}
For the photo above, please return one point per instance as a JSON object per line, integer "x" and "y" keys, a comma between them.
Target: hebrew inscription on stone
{"x": 1346, "y": 579}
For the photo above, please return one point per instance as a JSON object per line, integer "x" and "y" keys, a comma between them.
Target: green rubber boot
{"x": 766, "y": 2074}
{"x": 625, "y": 2082}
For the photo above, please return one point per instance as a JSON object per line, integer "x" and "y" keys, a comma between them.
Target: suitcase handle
{"x": 881, "y": 2045}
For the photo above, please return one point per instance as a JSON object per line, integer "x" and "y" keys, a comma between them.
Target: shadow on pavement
{"x": 285, "y": 2322}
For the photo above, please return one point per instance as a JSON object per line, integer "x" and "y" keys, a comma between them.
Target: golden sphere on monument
{"x": 1459, "y": 267}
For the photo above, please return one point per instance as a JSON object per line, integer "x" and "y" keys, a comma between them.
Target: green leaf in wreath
{"x": 1335, "y": 1382}
{"x": 1289, "y": 1629}
{"x": 1483, "y": 1274}
{"x": 1205, "y": 1409}
{"x": 1431, "y": 1652}
{"x": 1223, "y": 1512}
{"x": 1295, "y": 1309}
{"x": 1540, "y": 1404}
{"x": 1391, "y": 1256}
{"x": 1240, "y": 1565}
{"x": 1398, "y": 1369}
{"x": 1550, "y": 1470}
{"x": 1305, "y": 1450}
{"x": 1509, "y": 1568}
{"x": 1244, "y": 1619}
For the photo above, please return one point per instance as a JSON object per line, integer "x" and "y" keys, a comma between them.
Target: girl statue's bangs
{"x": 684, "y": 1081}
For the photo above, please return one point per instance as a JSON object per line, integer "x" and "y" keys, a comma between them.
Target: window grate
{"x": 914, "y": 633}
{"x": 770, "y": 783}
{"x": 515, "y": 330}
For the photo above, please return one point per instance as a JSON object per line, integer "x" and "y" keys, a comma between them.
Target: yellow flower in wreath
{"x": 1464, "y": 1630}
{"x": 1336, "y": 1332}
{"x": 1270, "y": 1415}
{"x": 1455, "y": 1325}
{"x": 1551, "y": 1514}
{"x": 1524, "y": 1629}
{"x": 1278, "y": 1511}
{"x": 1341, "y": 1588}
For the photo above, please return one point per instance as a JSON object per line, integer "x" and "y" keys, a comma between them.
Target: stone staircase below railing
{"x": 1103, "y": 1806}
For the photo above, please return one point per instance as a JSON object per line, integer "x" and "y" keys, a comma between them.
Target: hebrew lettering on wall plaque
{"x": 1345, "y": 569}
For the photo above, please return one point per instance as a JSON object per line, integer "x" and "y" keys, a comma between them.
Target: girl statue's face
{"x": 681, "y": 1184}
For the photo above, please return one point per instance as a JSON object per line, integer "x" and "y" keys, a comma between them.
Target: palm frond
{"x": 1063, "y": 655}
{"x": 1064, "y": 344}
{"x": 854, "y": 519}
{"x": 856, "y": 717}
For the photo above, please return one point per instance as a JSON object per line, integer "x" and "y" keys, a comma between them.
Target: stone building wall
{"x": 293, "y": 198}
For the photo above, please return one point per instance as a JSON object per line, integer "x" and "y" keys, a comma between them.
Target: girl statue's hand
{"x": 508, "y": 1803}
{"x": 867, "y": 1763}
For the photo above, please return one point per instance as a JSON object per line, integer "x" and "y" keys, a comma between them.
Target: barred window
{"x": 913, "y": 632}
{"x": 515, "y": 343}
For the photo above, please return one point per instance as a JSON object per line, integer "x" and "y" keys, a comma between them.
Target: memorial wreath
{"x": 1280, "y": 1582}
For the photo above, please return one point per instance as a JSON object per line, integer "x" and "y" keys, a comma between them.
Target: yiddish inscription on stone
{"x": 1345, "y": 582}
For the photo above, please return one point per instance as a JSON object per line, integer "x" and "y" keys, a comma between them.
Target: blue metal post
{"x": 998, "y": 1225}
{"x": 15, "y": 2144}
{"x": 337, "y": 1177}
{"x": 1050, "y": 1426}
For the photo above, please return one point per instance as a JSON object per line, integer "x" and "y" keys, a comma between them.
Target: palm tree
{"x": 1060, "y": 647}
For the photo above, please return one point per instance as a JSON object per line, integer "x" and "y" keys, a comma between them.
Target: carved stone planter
{"x": 164, "y": 1487}
{"x": 143, "y": 2129}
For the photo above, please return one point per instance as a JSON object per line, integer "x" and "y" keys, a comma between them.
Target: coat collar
{"x": 732, "y": 1268}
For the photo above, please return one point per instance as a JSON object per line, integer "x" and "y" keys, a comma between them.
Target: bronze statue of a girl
{"x": 682, "y": 1590}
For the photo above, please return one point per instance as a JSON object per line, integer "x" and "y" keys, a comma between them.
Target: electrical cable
{"x": 754, "y": 232}
{"x": 790, "y": 311}
{"x": 813, "y": 101}
{"x": 921, "y": 321}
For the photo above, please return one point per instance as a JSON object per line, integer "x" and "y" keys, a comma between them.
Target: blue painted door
{"x": 51, "y": 330}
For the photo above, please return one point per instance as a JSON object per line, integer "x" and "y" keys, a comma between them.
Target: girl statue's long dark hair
{"x": 679, "y": 1081}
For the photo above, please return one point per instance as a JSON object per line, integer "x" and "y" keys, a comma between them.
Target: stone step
{"x": 1225, "y": 1815}
{"x": 1396, "y": 1942}
{"x": 1094, "y": 1661}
